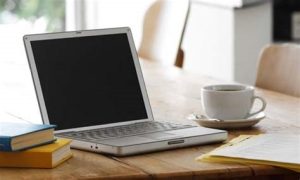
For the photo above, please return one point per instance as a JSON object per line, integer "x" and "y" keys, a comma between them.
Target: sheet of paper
{"x": 268, "y": 147}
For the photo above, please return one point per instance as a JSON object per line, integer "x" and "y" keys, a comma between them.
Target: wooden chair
{"x": 164, "y": 25}
{"x": 279, "y": 69}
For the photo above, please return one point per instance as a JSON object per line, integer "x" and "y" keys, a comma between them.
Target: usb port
{"x": 176, "y": 142}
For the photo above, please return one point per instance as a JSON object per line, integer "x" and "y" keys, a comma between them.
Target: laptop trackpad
{"x": 160, "y": 136}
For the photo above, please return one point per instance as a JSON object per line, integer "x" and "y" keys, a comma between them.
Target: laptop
{"x": 89, "y": 83}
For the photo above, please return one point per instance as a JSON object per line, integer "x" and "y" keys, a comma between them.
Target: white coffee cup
{"x": 229, "y": 101}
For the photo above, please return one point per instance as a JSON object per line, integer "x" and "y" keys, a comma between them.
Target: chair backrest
{"x": 279, "y": 69}
{"x": 164, "y": 25}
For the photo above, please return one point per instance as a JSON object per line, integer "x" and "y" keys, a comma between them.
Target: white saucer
{"x": 229, "y": 124}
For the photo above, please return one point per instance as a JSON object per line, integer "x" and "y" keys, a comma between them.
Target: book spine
{"x": 5, "y": 143}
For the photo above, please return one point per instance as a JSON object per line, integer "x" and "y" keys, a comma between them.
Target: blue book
{"x": 16, "y": 137}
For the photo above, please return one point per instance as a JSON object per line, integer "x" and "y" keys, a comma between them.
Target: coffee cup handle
{"x": 263, "y": 107}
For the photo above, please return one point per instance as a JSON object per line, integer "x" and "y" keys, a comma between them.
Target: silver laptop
{"x": 90, "y": 84}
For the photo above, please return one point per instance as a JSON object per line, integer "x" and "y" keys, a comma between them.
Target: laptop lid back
{"x": 88, "y": 79}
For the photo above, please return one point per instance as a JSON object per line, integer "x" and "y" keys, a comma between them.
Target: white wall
{"x": 208, "y": 41}
{"x": 117, "y": 13}
{"x": 225, "y": 42}
{"x": 253, "y": 30}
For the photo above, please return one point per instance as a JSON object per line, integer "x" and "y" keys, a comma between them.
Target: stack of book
{"x": 31, "y": 145}
{"x": 281, "y": 150}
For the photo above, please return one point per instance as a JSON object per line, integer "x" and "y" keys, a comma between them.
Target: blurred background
{"x": 220, "y": 39}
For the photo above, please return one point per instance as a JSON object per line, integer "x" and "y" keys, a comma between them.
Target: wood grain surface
{"x": 174, "y": 94}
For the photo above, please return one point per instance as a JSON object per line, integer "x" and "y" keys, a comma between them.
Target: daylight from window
{"x": 41, "y": 15}
{"x": 17, "y": 18}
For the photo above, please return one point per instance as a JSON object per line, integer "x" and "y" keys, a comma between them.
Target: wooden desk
{"x": 174, "y": 94}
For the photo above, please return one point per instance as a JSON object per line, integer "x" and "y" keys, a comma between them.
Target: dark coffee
{"x": 228, "y": 89}
{"x": 231, "y": 88}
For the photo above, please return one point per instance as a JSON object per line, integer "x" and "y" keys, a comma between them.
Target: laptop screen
{"x": 88, "y": 80}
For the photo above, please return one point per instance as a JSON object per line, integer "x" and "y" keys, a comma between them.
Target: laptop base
{"x": 153, "y": 141}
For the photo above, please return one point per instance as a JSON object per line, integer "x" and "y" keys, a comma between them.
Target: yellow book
{"x": 46, "y": 156}
{"x": 267, "y": 149}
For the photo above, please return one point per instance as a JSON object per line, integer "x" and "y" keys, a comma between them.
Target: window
{"x": 42, "y": 15}
{"x": 17, "y": 18}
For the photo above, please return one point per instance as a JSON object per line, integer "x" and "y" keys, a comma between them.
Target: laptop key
{"x": 123, "y": 131}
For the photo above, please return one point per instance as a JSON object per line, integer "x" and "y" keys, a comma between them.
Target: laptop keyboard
{"x": 123, "y": 131}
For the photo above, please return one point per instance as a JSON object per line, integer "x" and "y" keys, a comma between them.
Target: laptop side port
{"x": 180, "y": 141}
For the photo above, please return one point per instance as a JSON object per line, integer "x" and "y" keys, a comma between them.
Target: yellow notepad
{"x": 46, "y": 156}
{"x": 268, "y": 149}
